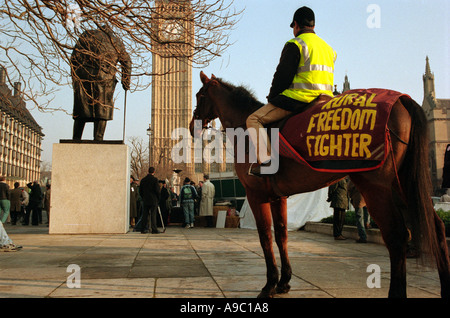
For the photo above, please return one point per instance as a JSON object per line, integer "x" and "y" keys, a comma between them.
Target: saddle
{"x": 346, "y": 133}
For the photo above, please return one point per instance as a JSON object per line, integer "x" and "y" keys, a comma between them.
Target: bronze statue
{"x": 93, "y": 61}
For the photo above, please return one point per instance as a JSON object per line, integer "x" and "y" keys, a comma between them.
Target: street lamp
{"x": 150, "y": 144}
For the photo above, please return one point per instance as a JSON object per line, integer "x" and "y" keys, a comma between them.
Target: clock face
{"x": 171, "y": 30}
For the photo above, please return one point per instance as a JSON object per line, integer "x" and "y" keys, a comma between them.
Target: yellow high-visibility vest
{"x": 315, "y": 75}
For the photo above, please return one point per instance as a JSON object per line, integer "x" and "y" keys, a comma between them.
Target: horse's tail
{"x": 416, "y": 184}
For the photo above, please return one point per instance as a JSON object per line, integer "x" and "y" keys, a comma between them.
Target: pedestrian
{"x": 140, "y": 208}
{"x": 133, "y": 202}
{"x": 35, "y": 203}
{"x": 25, "y": 200}
{"x": 173, "y": 197}
{"x": 16, "y": 205}
{"x": 150, "y": 193}
{"x": 361, "y": 212}
{"x": 305, "y": 72}
{"x": 196, "y": 200}
{"x": 188, "y": 194}
{"x": 6, "y": 244}
{"x": 163, "y": 202}
{"x": 199, "y": 198}
{"x": 446, "y": 196}
{"x": 47, "y": 198}
{"x": 4, "y": 199}
{"x": 446, "y": 169}
{"x": 170, "y": 200}
{"x": 207, "y": 201}
{"x": 337, "y": 196}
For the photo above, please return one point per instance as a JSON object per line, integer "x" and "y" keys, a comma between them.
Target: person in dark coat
{"x": 47, "y": 200}
{"x": 93, "y": 62}
{"x": 163, "y": 202}
{"x": 16, "y": 204}
{"x": 151, "y": 194}
{"x": 446, "y": 169}
{"x": 35, "y": 204}
{"x": 338, "y": 198}
{"x": 133, "y": 201}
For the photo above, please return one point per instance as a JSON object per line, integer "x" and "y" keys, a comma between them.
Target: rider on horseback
{"x": 305, "y": 71}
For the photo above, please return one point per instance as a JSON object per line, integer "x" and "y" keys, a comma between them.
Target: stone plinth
{"x": 90, "y": 188}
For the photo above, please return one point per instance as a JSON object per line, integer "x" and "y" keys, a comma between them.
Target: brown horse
{"x": 397, "y": 194}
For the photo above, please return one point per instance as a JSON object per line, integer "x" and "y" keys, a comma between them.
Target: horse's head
{"x": 218, "y": 98}
{"x": 205, "y": 110}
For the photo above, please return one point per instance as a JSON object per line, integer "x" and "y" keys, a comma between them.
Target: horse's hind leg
{"x": 395, "y": 235}
{"x": 261, "y": 211}
{"x": 396, "y": 239}
{"x": 279, "y": 215}
{"x": 442, "y": 258}
{"x": 384, "y": 208}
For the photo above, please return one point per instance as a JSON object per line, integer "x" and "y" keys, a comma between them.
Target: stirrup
{"x": 251, "y": 173}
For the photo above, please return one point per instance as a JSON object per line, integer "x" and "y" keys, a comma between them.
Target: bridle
{"x": 201, "y": 101}
{"x": 200, "y": 104}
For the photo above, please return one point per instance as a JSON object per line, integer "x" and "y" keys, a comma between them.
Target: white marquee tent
{"x": 301, "y": 208}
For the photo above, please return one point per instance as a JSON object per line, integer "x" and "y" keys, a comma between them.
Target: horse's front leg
{"x": 279, "y": 215}
{"x": 263, "y": 219}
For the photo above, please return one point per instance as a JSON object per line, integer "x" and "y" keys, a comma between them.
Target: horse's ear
{"x": 204, "y": 78}
{"x": 213, "y": 77}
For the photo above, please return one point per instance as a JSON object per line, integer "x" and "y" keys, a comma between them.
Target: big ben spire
{"x": 172, "y": 80}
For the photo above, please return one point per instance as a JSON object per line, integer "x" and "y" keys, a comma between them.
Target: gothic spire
{"x": 346, "y": 84}
{"x": 427, "y": 67}
{"x": 428, "y": 81}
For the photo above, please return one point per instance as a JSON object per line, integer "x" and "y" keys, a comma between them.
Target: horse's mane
{"x": 242, "y": 97}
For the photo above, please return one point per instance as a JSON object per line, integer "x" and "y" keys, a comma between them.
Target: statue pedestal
{"x": 90, "y": 188}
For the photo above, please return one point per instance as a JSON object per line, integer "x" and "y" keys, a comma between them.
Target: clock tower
{"x": 172, "y": 49}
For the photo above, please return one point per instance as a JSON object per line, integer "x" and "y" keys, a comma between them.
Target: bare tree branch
{"x": 139, "y": 162}
{"x": 37, "y": 38}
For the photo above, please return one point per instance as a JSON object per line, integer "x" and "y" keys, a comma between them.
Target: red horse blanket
{"x": 347, "y": 133}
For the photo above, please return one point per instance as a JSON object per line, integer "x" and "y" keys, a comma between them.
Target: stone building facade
{"x": 20, "y": 137}
{"x": 438, "y": 115}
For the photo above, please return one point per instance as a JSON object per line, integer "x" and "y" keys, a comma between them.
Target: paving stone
{"x": 195, "y": 263}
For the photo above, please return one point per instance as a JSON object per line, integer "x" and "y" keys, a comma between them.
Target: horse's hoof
{"x": 266, "y": 294}
{"x": 283, "y": 289}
